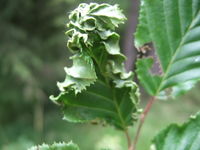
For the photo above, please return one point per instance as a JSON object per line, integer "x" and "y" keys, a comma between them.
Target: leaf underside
{"x": 174, "y": 137}
{"x": 97, "y": 87}
{"x": 56, "y": 146}
{"x": 174, "y": 28}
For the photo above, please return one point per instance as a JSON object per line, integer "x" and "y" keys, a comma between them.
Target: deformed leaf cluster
{"x": 97, "y": 85}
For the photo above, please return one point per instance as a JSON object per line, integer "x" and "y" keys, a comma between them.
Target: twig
{"x": 142, "y": 119}
{"x": 128, "y": 138}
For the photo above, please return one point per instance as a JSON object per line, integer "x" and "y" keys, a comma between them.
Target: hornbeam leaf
{"x": 174, "y": 28}
{"x": 56, "y": 146}
{"x": 80, "y": 75}
{"x": 97, "y": 87}
{"x": 174, "y": 137}
{"x": 114, "y": 105}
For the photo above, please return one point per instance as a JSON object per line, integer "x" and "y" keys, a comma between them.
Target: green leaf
{"x": 115, "y": 105}
{"x": 174, "y": 28}
{"x": 97, "y": 87}
{"x": 174, "y": 137}
{"x": 80, "y": 75}
{"x": 56, "y": 146}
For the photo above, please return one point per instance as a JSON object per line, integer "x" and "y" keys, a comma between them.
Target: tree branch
{"x": 128, "y": 45}
{"x": 142, "y": 119}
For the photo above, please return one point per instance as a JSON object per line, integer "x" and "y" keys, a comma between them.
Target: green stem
{"x": 128, "y": 138}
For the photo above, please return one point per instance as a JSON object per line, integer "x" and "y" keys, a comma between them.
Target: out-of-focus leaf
{"x": 56, "y": 146}
{"x": 174, "y": 137}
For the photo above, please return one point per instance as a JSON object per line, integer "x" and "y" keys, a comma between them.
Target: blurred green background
{"x": 32, "y": 56}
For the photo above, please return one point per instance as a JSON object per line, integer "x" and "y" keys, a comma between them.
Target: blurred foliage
{"x": 32, "y": 56}
{"x": 30, "y": 45}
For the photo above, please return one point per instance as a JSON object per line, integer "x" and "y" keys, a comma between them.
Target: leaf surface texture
{"x": 174, "y": 28}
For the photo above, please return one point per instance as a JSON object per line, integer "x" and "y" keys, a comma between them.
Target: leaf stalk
{"x": 128, "y": 137}
{"x": 142, "y": 119}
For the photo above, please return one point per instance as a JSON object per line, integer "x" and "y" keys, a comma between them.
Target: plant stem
{"x": 142, "y": 119}
{"x": 128, "y": 138}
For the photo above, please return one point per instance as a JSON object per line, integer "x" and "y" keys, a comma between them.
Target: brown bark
{"x": 128, "y": 45}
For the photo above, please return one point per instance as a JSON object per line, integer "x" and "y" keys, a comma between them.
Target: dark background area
{"x": 32, "y": 56}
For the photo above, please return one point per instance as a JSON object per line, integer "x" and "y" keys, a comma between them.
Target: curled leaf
{"x": 97, "y": 85}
